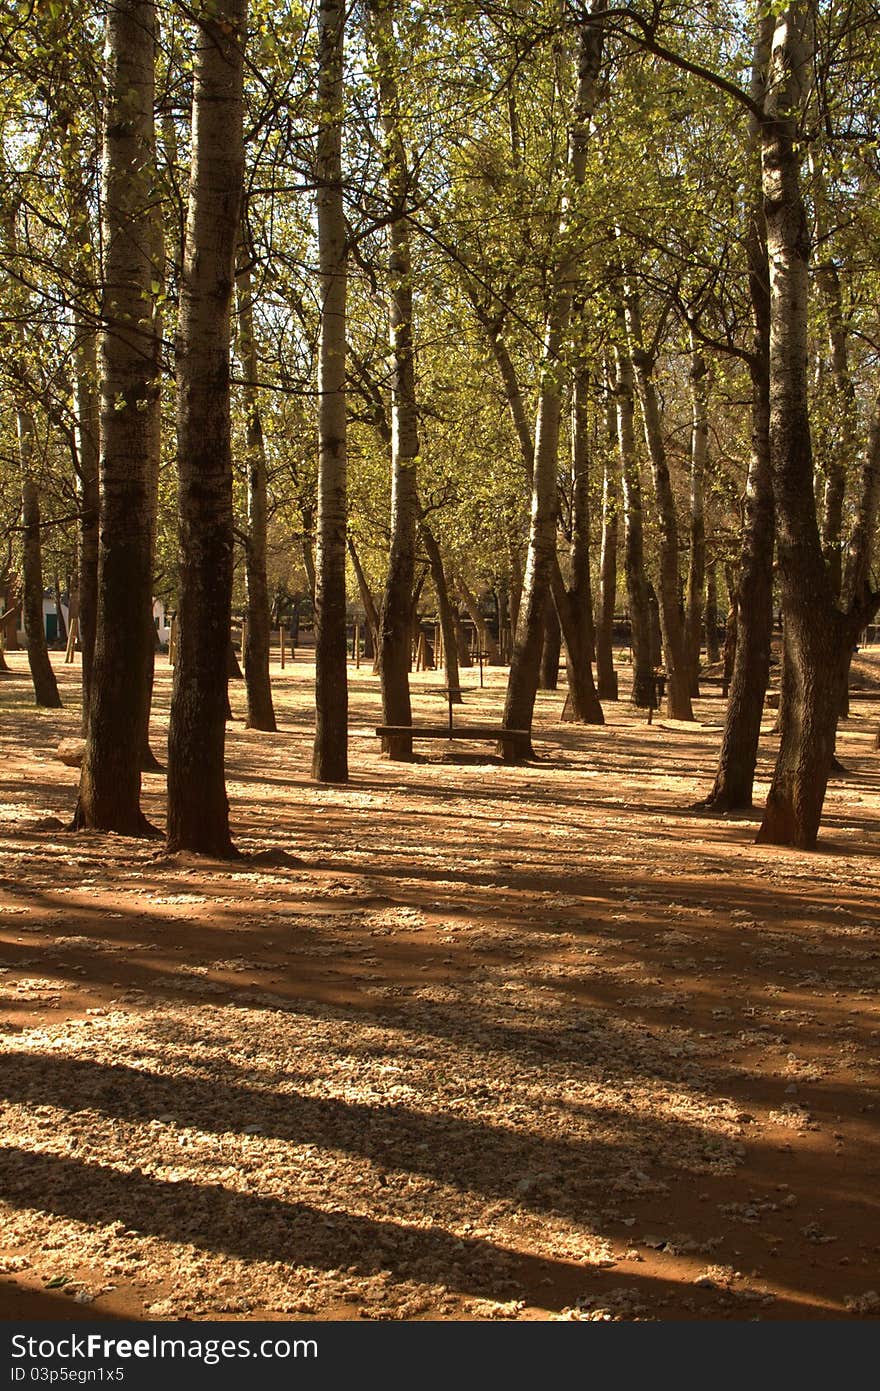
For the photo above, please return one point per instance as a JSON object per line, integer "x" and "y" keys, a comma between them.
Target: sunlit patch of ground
{"x": 457, "y": 1040}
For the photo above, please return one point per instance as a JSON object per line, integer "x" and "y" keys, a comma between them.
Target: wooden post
{"x": 357, "y": 643}
{"x": 243, "y": 638}
{"x": 172, "y": 641}
{"x": 281, "y": 642}
{"x": 438, "y": 654}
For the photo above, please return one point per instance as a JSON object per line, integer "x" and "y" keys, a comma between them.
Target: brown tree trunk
{"x": 642, "y": 694}
{"x": 447, "y": 617}
{"x": 109, "y": 792}
{"x": 574, "y": 604}
{"x": 816, "y": 636}
{"x": 678, "y": 699}
{"x": 198, "y": 810}
{"x": 551, "y": 651}
{"x": 606, "y": 676}
{"x": 697, "y": 555}
{"x": 87, "y": 407}
{"x": 330, "y": 756}
{"x": 42, "y": 675}
{"x": 734, "y": 779}
{"x": 395, "y": 647}
{"x": 713, "y": 651}
{"x": 258, "y": 628}
{"x": 524, "y": 668}
{"x": 367, "y": 600}
{"x": 487, "y": 643}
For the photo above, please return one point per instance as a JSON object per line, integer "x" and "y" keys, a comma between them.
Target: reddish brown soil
{"x": 459, "y": 1040}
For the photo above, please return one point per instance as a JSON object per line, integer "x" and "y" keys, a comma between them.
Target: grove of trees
{"x": 536, "y": 313}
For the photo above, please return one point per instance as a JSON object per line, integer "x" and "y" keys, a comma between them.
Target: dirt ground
{"x": 456, "y": 1041}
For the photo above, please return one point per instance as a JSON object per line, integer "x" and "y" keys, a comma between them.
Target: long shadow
{"x": 254, "y": 1227}
{"x": 446, "y": 1147}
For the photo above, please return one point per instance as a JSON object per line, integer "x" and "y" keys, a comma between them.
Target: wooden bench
{"x": 440, "y": 731}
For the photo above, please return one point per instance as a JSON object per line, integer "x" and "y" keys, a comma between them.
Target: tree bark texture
{"x": 642, "y": 694}
{"x": 574, "y": 603}
{"x": 816, "y": 638}
{"x": 551, "y": 651}
{"x": 447, "y": 617}
{"x": 260, "y": 709}
{"x": 330, "y": 756}
{"x": 198, "y": 810}
{"x": 109, "y": 793}
{"x": 713, "y": 651}
{"x": 522, "y": 684}
{"x": 87, "y": 406}
{"x": 606, "y": 676}
{"x": 395, "y": 645}
{"x": 678, "y": 699}
{"x": 42, "y": 675}
{"x": 734, "y": 779}
{"x": 696, "y": 576}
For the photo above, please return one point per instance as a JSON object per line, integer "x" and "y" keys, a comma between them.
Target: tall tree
{"x": 330, "y": 758}
{"x": 260, "y": 709}
{"x": 525, "y": 663}
{"x": 198, "y": 809}
{"x": 110, "y": 782}
{"x": 818, "y": 636}
{"x": 395, "y": 636}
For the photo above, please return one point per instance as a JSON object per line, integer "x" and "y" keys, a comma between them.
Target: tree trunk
{"x": 752, "y": 617}
{"x": 487, "y": 643}
{"x": 713, "y": 651}
{"x": 678, "y": 699}
{"x": 330, "y": 757}
{"x": 447, "y": 617}
{"x": 548, "y": 677}
{"x": 574, "y": 604}
{"x": 198, "y": 810}
{"x": 697, "y": 554}
{"x": 367, "y": 600}
{"x": 642, "y": 694}
{"x": 87, "y": 406}
{"x": 606, "y": 676}
{"x": 109, "y": 793}
{"x": 815, "y": 631}
{"x": 258, "y": 627}
{"x": 42, "y": 675}
{"x": 395, "y": 647}
{"x": 523, "y": 681}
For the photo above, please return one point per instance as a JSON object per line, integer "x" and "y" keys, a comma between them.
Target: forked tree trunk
{"x": 697, "y": 553}
{"x": 447, "y": 617}
{"x": 633, "y": 536}
{"x": 110, "y": 782}
{"x": 678, "y": 699}
{"x": 606, "y": 676}
{"x": 198, "y": 810}
{"x": 258, "y": 629}
{"x": 395, "y": 647}
{"x": 330, "y": 756}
